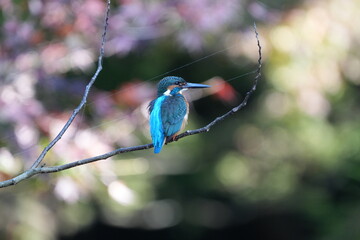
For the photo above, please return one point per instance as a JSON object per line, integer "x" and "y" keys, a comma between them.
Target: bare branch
{"x": 84, "y": 98}
{"x": 240, "y": 106}
{"x": 38, "y": 170}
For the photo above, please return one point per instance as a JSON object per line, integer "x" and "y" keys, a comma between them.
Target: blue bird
{"x": 169, "y": 111}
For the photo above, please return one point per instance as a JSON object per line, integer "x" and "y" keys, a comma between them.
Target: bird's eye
{"x": 177, "y": 83}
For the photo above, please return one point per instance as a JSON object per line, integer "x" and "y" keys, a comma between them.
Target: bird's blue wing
{"x": 156, "y": 123}
{"x": 173, "y": 112}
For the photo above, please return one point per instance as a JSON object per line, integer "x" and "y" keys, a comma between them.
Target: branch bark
{"x": 34, "y": 170}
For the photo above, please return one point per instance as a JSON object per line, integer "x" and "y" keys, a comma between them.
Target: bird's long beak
{"x": 195, "y": 85}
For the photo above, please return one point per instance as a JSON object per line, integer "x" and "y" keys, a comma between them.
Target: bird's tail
{"x": 157, "y": 149}
{"x": 158, "y": 145}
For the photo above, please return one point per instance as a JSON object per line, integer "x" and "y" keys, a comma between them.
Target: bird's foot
{"x": 171, "y": 139}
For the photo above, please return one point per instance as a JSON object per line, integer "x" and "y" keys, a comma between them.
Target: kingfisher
{"x": 169, "y": 111}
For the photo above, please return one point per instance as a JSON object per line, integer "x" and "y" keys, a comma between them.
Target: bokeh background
{"x": 285, "y": 167}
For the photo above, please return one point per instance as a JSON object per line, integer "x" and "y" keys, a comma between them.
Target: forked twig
{"x": 34, "y": 170}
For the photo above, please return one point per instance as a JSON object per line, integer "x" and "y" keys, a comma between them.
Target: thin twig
{"x": 84, "y": 98}
{"x": 38, "y": 170}
{"x": 237, "y": 108}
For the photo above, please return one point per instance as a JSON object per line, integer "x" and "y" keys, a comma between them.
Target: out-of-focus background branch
{"x": 286, "y": 168}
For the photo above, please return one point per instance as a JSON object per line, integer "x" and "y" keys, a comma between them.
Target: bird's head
{"x": 172, "y": 85}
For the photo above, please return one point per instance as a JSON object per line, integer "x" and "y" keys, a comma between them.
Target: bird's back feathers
{"x": 156, "y": 126}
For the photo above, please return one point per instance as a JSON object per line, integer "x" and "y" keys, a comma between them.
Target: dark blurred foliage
{"x": 284, "y": 167}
